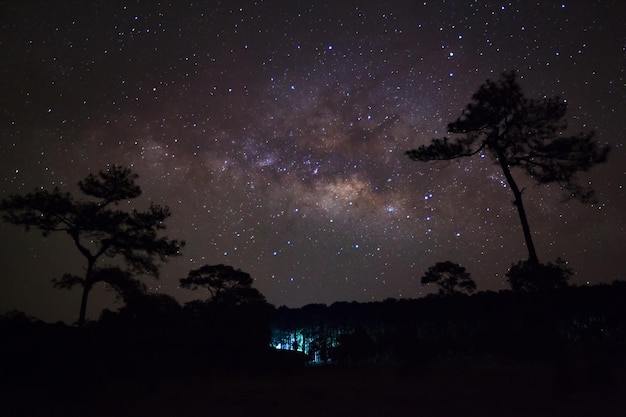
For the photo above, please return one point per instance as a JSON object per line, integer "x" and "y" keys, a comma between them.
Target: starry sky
{"x": 276, "y": 131}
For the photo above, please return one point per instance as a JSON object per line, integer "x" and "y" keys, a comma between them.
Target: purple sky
{"x": 276, "y": 132}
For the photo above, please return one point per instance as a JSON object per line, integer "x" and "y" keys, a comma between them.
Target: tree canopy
{"x": 99, "y": 229}
{"x": 451, "y": 278}
{"x": 528, "y": 277}
{"x": 224, "y": 283}
{"x": 520, "y": 133}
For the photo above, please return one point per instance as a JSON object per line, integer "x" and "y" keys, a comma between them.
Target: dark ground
{"x": 592, "y": 386}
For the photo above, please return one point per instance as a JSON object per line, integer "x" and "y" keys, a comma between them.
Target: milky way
{"x": 276, "y": 131}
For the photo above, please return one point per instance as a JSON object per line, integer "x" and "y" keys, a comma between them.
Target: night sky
{"x": 276, "y": 131}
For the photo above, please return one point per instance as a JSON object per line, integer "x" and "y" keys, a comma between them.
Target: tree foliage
{"x": 234, "y": 321}
{"x": 451, "y": 278}
{"x": 224, "y": 283}
{"x": 99, "y": 229}
{"x": 520, "y": 133}
{"x": 354, "y": 348}
{"x": 530, "y": 277}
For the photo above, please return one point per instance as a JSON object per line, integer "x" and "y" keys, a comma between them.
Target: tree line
{"x": 553, "y": 324}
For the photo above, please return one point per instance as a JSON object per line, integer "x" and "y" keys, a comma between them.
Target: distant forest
{"x": 156, "y": 332}
{"x": 568, "y": 321}
{"x": 219, "y": 357}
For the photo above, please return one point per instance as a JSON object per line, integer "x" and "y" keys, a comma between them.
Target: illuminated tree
{"x": 519, "y": 133}
{"x": 449, "y": 276}
{"x": 99, "y": 229}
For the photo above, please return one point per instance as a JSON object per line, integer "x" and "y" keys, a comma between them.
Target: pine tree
{"x": 520, "y": 133}
{"x": 99, "y": 229}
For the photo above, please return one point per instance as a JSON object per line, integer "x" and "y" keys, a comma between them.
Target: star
{"x": 276, "y": 134}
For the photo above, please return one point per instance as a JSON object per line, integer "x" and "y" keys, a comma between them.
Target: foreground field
{"x": 486, "y": 387}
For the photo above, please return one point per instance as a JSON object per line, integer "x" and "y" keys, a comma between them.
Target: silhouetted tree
{"x": 449, "y": 276}
{"x": 518, "y": 132}
{"x": 355, "y": 347}
{"x": 224, "y": 283}
{"x": 120, "y": 281}
{"x": 234, "y": 323}
{"x": 531, "y": 277}
{"x": 150, "y": 308}
{"x": 99, "y": 229}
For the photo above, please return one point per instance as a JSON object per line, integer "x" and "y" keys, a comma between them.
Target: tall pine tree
{"x": 99, "y": 229}
{"x": 519, "y": 133}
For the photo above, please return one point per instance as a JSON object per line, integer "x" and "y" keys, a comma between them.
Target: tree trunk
{"x": 86, "y": 288}
{"x": 532, "y": 253}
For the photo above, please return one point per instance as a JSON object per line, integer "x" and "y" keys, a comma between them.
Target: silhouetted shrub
{"x": 531, "y": 276}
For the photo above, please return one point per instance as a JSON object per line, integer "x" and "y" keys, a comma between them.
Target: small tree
{"x": 529, "y": 277}
{"x": 235, "y": 321}
{"x": 518, "y": 132}
{"x": 224, "y": 283}
{"x": 449, "y": 276}
{"x": 99, "y": 229}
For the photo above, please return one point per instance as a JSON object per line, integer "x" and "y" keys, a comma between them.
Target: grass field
{"x": 485, "y": 387}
